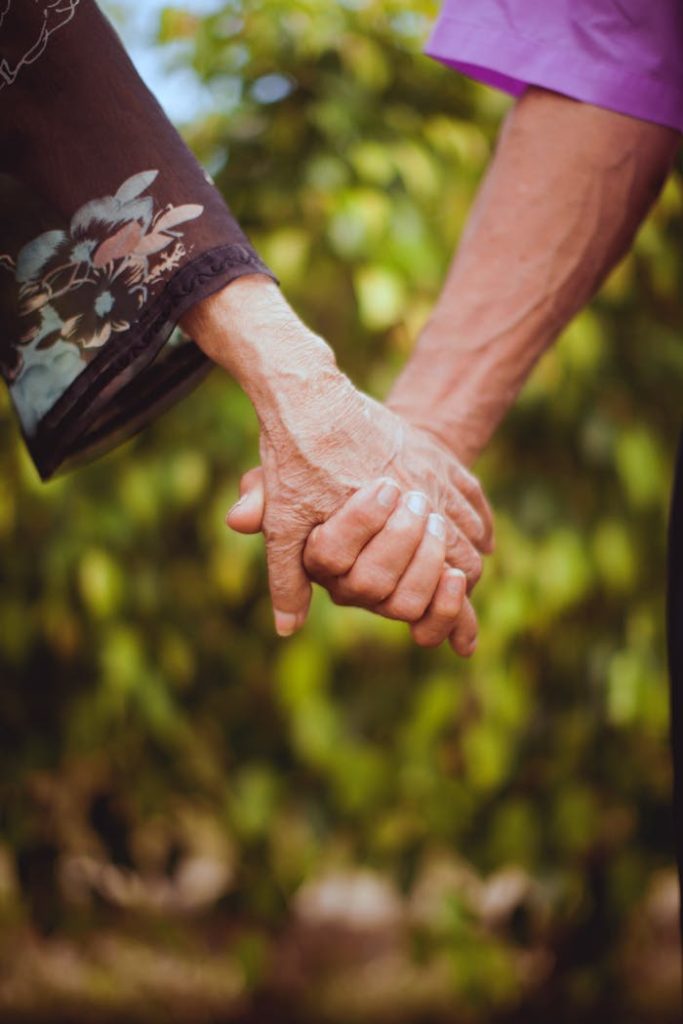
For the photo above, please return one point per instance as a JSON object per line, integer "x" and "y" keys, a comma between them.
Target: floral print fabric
{"x": 79, "y": 286}
{"x": 52, "y": 16}
{"x": 109, "y": 231}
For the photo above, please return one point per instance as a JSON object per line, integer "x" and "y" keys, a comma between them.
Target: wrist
{"x": 457, "y": 399}
{"x": 250, "y": 330}
{"x": 457, "y": 434}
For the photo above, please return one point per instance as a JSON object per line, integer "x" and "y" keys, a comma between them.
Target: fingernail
{"x": 285, "y": 623}
{"x": 436, "y": 525}
{"x": 454, "y": 581}
{"x": 416, "y": 501}
{"x": 240, "y": 501}
{"x": 388, "y": 494}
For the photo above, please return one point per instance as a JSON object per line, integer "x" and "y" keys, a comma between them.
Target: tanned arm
{"x": 565, "y": 193}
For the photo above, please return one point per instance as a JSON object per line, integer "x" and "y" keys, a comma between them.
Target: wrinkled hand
{"x": 428, "y": 595}
{"x": 322, "y": 440}
{"x": 325, "y": 440}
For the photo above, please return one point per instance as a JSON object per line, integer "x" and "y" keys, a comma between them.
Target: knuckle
{"x": 370, "y": 583}
{"x": 335, "y": 564}
{"x": 364, "y": 520}
{"x": 425, "y": 636}
{"x": 324, "y": 557}
{"x": 444, "y": 615}
{"x": 331, "y": 562}
{"x": 409, "y": 607}
{"x": 430, "y": 641}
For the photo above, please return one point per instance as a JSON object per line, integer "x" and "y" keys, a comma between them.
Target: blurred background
{"x": 201, "y": 822}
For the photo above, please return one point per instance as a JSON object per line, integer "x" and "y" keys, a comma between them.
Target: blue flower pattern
{"x": 79, "y": 287}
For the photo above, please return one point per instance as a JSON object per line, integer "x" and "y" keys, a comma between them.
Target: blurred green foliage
{"x": 143, "y": 692}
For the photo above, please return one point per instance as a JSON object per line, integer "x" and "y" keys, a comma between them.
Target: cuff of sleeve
{"x": 138, "y": 373}
{"x": 510, "y": 61}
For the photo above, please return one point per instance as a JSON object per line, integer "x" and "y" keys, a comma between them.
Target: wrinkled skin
{"x": 322, "y": 457}
{"x": 375, "y": 529}
{"x": 321, "y": 440}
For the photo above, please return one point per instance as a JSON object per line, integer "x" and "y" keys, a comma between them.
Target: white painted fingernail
{"x": 416, "y": 501}
{"x": 285, "y": 623}
{"x": 240, "y": 501}
{"x": 388, "y": 494}
{"x": 436, "y": 525}
{"x": 455, "y": 580}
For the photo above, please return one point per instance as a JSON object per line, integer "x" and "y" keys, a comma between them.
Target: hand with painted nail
{"x": 383, "y": 550}
{"x": 330, "y": 450}
{"x": 321, "y": 439}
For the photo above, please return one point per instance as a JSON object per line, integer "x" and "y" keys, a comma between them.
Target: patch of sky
{"x": 180, "y": 92}
{"x": 271, "y": 88}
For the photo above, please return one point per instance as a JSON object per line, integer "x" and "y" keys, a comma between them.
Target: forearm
{"x": 307, "y": 408}
{"x": 563, "y": 198}
{"x": 249, "y": 329}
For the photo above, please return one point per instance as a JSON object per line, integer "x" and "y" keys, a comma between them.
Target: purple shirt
{"x": 626, "y": 55}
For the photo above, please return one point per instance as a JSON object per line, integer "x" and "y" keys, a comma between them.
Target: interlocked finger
{"x": 441, "y": 616}
{"x": 333, "y": 547}
{"x": 467, "y": 520}
{"x": 382, "y": 562}
{"x": 463, "y": 638}
{"x": 415, "y": 589}
{"x": 469, "y": 486}
{"x": 462, "y": 554}
{"x": 290, "y": 588}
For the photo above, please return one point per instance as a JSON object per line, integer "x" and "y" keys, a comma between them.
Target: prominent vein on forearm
{"x": 566, "y": 191}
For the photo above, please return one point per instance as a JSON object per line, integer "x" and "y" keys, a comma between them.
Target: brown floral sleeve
{"x": 109, "y": 232}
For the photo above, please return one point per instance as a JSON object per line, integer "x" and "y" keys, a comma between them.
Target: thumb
{"x": 290, "y": 588}
{"x": 246, "y": 515}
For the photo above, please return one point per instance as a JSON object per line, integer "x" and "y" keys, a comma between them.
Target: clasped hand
{"x": 349, "y": 494}
{"x": 406, "y": 544}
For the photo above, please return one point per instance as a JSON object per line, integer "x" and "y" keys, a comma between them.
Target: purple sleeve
{"x": 625, "y": 55}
